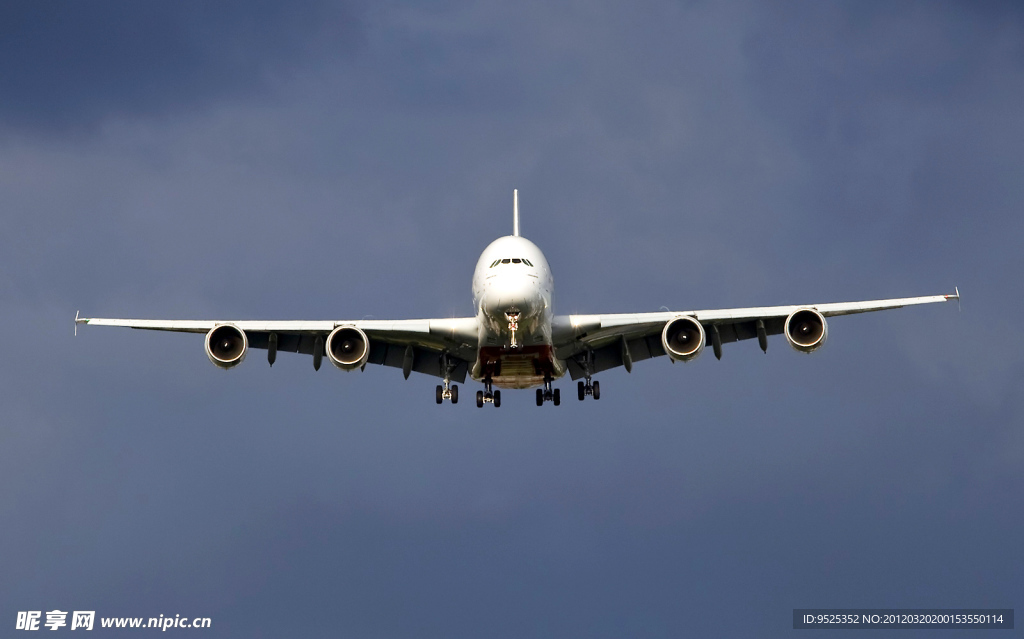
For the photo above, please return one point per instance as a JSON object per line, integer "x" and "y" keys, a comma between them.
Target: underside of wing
{"x": 436, "y": 347}
{"x": 593, "y": 343}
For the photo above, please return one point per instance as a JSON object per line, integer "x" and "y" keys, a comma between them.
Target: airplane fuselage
{"x": 512, "y": 294}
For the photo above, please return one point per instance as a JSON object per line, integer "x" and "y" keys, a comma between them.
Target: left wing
{"x": 592, "y": 343}
{"x": 429, "y": 346}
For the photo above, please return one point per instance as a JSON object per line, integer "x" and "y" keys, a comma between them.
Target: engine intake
{"x": 683, "y": 338}
{"x": 226, "y": 345}
{"x": 806, "y": 330}
{"x": 348, "y": 348}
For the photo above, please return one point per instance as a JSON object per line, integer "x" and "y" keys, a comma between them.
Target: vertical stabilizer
{"x": 515, "y": 212}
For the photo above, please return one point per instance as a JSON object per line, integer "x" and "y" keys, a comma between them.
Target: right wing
{"x": 605, "y": 341}
{"x": 431, "y": 345}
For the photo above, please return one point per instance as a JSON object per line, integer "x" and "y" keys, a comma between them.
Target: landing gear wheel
{"x": 597, "y": 390}
{"x": 581, "y": 390}
{"x": 479, "y": 399}
{"x": 558, "y": 397}
{"x": 455, "y": 394}
{"x": 540, "y": 397}
{"x": 440, "y": 394}
{"x": 497, "y": 399}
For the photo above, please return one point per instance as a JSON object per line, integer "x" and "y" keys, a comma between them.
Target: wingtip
{"x": 955, "y": 296}
{"x": 79, "y": 320}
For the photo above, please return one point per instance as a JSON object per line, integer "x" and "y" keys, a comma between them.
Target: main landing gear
{"x": 547, "y": 394}
{"x": 590, "y": 388}
{"x": 488, "y": 396}
{"x": 447, "y": 392}
{"x": 586, "y": 387}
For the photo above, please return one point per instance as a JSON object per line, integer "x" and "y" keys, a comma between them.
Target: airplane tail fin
{"x": 515, "y": 212}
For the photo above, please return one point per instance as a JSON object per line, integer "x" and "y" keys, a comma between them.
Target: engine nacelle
{"x": 348, "y": 348}
{"x": 226, "y": 345}
{"x": 683, "y": 338}
{"x": 806, "y": 330}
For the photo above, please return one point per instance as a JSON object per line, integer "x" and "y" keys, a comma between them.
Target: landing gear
{"x": 445, "y": 392}
{"x": 487, "y": 396}
{"x": 584, "y": 388}
{"x": 512, "y": 315}
{"x": 589, "y": 388}
{"x": 548, "y": 394}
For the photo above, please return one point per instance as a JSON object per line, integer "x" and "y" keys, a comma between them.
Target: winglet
{"x": 79, "y": 320}
{"x": 515, "y": 212}
{"x": 956, "y": 296}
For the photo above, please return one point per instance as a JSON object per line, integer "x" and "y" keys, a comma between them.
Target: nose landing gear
{"x": 512, "y": 315}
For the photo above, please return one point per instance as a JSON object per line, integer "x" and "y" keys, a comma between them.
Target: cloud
{"x": 66, "y": 65}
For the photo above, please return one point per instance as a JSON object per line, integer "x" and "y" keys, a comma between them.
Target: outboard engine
{"x": 226, "y": 345}
{"x": 348, "y": 348}
{"x": 683, "y": 338}
{"x": 806, "y": 330}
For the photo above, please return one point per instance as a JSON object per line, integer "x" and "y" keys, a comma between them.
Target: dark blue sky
{"x": 263, "y": 160}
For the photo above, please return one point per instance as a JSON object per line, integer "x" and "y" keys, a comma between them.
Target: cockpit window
{"x": 511, "y": 260}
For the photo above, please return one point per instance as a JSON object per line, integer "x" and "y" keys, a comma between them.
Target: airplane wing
{"x": 426, "y": 346}
{"x": 600, "y": 342}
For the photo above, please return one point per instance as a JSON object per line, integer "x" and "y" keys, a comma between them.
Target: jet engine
{"x": 348, "y": 348}
{"x": 683, "y": 338}
{"x": 226, "y": 345}
{"x": 806, "y": 330}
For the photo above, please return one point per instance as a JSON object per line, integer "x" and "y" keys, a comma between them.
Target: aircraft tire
{"x": 597, "y": 390}
{"x": 497, "y": 398}
{"x": 439, "y": 394}
{"x": 581, "y": 390}
{"x": 455, "y": 394}
{"x": 540, "y": 397}
{"x": 558, "y": 397}
{"x": 479, "y": 399}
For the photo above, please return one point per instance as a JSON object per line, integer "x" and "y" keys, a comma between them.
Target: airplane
{"x": 515, "y": 341}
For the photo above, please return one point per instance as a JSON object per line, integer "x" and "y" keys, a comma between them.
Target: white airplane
{"x": 515, "y": 340}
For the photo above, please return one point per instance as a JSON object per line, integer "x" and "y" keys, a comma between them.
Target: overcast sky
{"x": 313, "y": 160}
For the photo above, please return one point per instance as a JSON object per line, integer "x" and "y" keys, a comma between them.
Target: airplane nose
{"x": 505, "y": 293}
